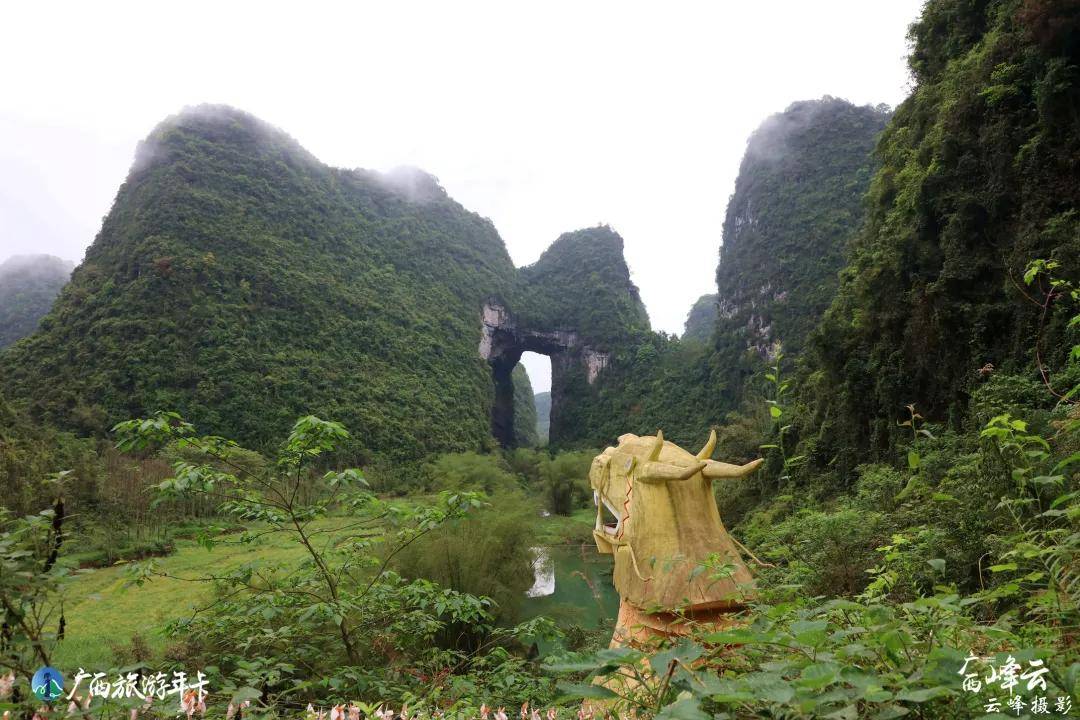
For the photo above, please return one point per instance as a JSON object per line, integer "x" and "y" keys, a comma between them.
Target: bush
{"x": 566, "y": 481}
{"x": 487, "y": 554}
{"x": 878, "y": 486}
{"x": 827, "y": 552}
{"x": 470, "y": 471}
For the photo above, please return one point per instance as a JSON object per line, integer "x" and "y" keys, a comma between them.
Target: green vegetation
{"x": 918, "y": 510}
{"x": 243, "y": 283}
{"x": 973, "y": 184}
{"x": 701, "y": 320}
{"x": 581, "y": 284}
{"x": 797, "y": 201}
{"x": 526, "y": 425}
{"x": 28, "y": 286}
{"x": 543, "y": 416}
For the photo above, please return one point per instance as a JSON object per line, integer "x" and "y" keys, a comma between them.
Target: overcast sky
{"x": 544, "y": 117}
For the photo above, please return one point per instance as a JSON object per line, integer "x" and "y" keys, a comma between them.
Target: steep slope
{"x": 797, "y": 201}
{"x": 701, "y": 320}
{"x": 543, "y": 416}
{"x": 796, "y": 204}
{"x": 980, "y": 173}
{"x": 582, "y": 283}
{"x": 242, "y": 282}
{"x": 525, "y": 423}
{"x": 575, "y": 304}
{"x": 28, "y": 286}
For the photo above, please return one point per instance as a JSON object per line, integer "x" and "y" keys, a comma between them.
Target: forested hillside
{"x": 543, "y": 416}
{"x": 797, "y": 201}
{"x": 28, "y": 286}
{"x": 701, "y": 320}
{"x": 896, "y": 333}
{"x": 581, "y": 283}
{"x": 242, "y": 282}
{"x": 526, "y": 428}
{"x": 980, "y": 175}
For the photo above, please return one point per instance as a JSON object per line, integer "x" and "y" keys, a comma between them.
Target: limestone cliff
{"x": 796, "y": 205}
{"x": 577, "y": 305}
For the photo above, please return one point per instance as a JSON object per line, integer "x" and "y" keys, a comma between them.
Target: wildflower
{"x": 192, "y": 703}
{"x": 7, "y": 683}
{"x": 354, "y": 712}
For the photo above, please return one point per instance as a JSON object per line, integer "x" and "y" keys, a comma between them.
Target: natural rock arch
{"x": 503, "y": 339}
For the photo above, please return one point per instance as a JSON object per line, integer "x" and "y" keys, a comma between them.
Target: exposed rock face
{"x": 503, "y": 340}
{"x": 796, "y": 204}
{"x": 576, "y": 305}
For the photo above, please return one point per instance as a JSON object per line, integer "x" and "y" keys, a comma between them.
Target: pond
{"x": 573, "y": 586}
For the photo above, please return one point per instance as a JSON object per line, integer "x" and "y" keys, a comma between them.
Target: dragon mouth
{"x": 613, "y": 529}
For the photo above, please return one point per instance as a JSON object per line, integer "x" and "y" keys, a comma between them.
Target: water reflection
{"x": 572, "y": 586}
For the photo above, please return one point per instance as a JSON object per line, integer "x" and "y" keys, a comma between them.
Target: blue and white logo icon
{"x": 47, "y": 684}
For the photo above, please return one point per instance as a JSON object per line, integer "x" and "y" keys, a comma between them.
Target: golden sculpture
{"x": 674, "y": 561}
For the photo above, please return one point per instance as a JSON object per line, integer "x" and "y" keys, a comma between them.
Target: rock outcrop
{"x": 577, "y": 305}
{"x": 796, "y": 206}
{"x": 503, "y": 339}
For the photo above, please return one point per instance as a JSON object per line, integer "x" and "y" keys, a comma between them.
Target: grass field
{"x": 102, "y": 613}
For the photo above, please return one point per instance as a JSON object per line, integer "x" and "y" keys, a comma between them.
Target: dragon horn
{"x": 707, "y": 451}
{"x": 715, "y": 470}
{"x": 661, "y": 471}
{"x": 658, "y": 445}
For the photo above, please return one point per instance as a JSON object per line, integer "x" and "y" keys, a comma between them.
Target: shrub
{"x": 471, "y": 471}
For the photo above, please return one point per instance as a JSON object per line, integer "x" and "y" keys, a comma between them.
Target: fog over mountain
{"x": 28, "y": 286}
{"x": 568, "y": 118}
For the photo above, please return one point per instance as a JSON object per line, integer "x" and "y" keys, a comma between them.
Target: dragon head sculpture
{"x": 665, "y": 530}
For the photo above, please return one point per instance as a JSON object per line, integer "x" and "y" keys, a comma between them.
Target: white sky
{"x": 545, "y": 116}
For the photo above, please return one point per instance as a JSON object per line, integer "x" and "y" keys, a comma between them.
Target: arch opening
{"x": 503, "y": 343}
